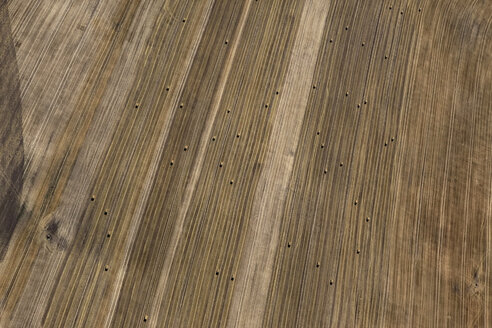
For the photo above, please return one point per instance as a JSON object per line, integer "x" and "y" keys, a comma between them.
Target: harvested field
{"x": 245, "y": 163}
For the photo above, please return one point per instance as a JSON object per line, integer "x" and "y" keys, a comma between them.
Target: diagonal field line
{"x": 11, "y": 136}
{"x": 136, "y": 219}
{"x": 249, "y": 300}
{"x": 197, "y": 169}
